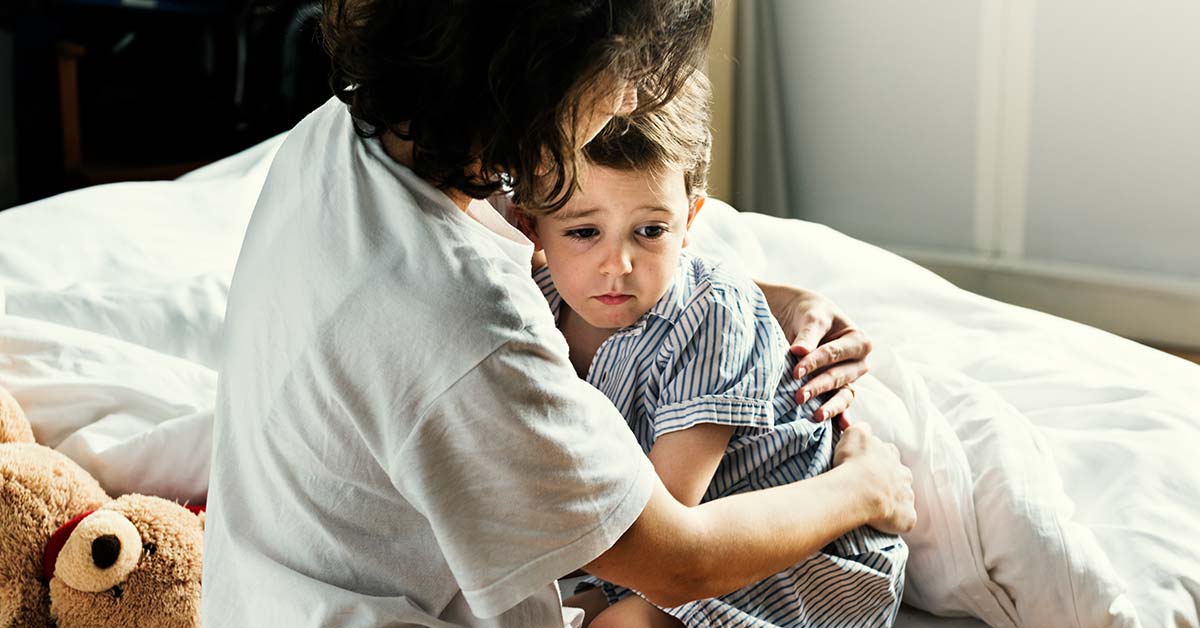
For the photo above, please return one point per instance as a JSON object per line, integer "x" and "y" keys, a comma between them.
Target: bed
{"x": 1055, "y": 464}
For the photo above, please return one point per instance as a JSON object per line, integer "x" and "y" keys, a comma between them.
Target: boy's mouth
{"x": 613, "y": 298}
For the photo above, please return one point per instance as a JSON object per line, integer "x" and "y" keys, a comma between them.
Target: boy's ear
{"x": 692, "y": 211}
{"x": 528, "y": 225}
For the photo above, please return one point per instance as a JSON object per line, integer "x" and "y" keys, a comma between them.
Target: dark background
{"x": 155, "y": 87}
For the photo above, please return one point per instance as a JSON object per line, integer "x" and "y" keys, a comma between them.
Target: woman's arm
{"x": 687, "y": 459}
{"x": 832, "y": 349}
{"x": 674, "y": 553}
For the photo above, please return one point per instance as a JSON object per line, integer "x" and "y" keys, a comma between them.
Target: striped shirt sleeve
{"x": 723, "y": 363}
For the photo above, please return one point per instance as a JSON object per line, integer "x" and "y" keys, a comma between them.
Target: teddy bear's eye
{"x": 150, "y": 548}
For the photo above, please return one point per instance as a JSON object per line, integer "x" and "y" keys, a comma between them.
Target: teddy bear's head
{"x": 134, "y": 562}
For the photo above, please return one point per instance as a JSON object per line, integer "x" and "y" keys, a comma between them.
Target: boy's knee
{"x": 605, "y": 620}
{"x": 634, "y": 612}
{"x": 615, "y": 616}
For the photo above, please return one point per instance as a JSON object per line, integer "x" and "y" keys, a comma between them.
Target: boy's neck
{"x": 583, "y": 339}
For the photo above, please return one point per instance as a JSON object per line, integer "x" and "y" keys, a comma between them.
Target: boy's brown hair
{"x": 499, "y": 85}
{"x": 674, "y": 136}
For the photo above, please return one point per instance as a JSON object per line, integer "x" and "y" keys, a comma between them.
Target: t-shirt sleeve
{"x": 723, "y": 365}
{"x": 524, "y": 471}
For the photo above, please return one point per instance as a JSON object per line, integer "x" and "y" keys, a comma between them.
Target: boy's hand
{"x": 833, "y": 351}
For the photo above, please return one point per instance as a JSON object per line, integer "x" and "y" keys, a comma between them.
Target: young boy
{"x": 690, "y": 354}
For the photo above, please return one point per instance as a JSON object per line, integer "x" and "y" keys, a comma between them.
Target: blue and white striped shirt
{"x": 709, "y": 351}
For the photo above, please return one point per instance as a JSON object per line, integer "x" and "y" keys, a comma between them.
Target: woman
{"x": 400, "y": 438}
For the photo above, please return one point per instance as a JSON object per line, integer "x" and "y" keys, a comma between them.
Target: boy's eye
{"x": 582, "y": 233}
{"x": 651, "y": 231}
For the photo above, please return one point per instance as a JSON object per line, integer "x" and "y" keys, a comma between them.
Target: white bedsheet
{"x": 1050, "y": 457}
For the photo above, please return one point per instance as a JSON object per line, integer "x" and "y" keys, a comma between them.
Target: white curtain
{"x": 760, "y": 158}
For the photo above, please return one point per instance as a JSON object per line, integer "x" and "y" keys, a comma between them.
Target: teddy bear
{"x": 72, "y": 557}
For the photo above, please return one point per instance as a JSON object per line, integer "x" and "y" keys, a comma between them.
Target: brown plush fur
{"x": 40, "y": 490}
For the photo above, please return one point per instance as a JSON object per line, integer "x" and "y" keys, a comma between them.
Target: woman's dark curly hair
{"x": 503, "y": 84}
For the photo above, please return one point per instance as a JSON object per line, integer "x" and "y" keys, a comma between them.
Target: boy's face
{"x": 614, "y": 247}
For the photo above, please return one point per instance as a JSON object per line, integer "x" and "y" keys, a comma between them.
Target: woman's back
{"x": 371, "y": 326}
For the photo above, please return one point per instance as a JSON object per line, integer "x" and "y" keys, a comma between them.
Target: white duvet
{"x": 1055, "y": 464}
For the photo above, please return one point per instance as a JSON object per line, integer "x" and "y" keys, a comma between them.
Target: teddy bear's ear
{"x": 199, "y": 512}
{"x": 14, "y": 427}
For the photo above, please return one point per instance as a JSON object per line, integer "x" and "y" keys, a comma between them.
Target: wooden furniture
{"x": 78, "y": 170}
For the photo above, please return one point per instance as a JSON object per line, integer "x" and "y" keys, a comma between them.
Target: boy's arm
{"x": 673, "y": 554}
{"x": 685, "y": 462}
{"x": 687, "y": 459}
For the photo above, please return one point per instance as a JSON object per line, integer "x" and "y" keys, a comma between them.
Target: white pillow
{"x": 996, "y": 539}
{"x": 946, "y": 573}
{"x": 1051, "y": 565}
{"x": 181, "y": 317}
{"x": 137, "y": 420}
{"x": 147, "y": 262}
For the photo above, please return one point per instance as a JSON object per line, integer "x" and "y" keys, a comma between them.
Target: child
{"x": 690, "y": 354}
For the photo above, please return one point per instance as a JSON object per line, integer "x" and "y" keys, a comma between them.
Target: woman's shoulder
{"x": 368, "y": 231}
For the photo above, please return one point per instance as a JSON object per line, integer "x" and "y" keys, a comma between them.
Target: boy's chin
{"x": 612, "y": 320}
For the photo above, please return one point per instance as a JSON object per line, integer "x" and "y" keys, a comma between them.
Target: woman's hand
{"x": 832, "y": 349}
{"x": 887, "y": 483}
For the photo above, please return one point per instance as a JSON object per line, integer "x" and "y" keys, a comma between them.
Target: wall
{"x": 1043, "y": 153}
{"x": 720, "y": 70}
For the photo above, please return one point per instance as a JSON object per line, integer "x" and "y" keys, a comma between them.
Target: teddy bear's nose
{"x": 100, "y": 553}
{"x": 105, "y": 550}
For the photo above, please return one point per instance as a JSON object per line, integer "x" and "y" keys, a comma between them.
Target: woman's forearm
{"x": 747, "y": 537}
{"x": 674, "y": 554}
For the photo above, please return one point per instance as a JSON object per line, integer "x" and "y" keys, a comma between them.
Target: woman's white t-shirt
{"x": 400, "y": 438}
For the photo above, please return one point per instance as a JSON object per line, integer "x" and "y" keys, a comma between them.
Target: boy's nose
{"x": 616, "y": 262}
